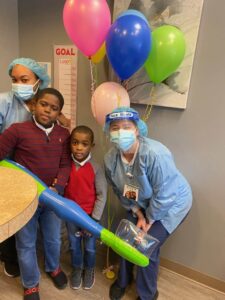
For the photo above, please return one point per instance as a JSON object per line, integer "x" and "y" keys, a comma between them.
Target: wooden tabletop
{"x": 18, "y": 200}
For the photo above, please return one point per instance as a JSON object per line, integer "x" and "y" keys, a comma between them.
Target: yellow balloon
{"x": 99, "y": 55}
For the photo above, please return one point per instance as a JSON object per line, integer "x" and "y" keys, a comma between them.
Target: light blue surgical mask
{"x": 24, "y": 91}
{"x": 124, "y": 139}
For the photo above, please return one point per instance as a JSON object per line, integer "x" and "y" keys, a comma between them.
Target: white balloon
{"x": 106, "y": 97}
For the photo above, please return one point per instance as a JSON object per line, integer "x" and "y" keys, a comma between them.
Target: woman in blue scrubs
{"x": 163, "y": 196}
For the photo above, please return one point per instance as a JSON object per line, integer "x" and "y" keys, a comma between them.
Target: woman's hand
{"x": 64, "y": 121}
{"x": 147, "y": 227}
{"x": 142, "y": 222}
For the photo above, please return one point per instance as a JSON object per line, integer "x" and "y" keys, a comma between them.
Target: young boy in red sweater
{"x": 42, "y": 146}
{"x": 88, "y": 188}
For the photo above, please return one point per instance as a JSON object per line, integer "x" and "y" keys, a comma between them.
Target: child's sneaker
{"x": 89, "y": 278}
{"x": 31, "y": 293}
{"x": 59, "y": 278}
{"x": 11, "y": 269}
{"x": 76, "y": 278}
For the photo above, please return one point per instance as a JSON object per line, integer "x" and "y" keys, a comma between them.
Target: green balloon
{"x": 168, "y": 50}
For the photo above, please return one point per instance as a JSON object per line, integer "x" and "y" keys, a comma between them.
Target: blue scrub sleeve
{"x": 165, "y": 184}
{"x": 3, "y": 111}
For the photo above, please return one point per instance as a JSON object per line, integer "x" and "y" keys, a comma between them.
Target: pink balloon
{"x": 87, "y": 23}
{"x": 108, "y": 96}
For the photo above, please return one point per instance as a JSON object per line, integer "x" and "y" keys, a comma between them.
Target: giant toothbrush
{"x": 69, "y": 211}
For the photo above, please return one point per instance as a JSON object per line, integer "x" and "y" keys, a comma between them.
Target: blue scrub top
{"x": 12, "y": 110}
{"x": 163, "y": 192}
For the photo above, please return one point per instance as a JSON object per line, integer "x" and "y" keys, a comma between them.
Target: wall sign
{"x": 65, "y": 78}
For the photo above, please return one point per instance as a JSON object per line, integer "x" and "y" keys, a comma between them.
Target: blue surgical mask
{"x": 124, "y": 139}
{"x": 24, "y": 91}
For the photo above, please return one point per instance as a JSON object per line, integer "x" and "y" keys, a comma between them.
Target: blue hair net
{"x": 34, "y": 67}
{"x": 141, "y": 125}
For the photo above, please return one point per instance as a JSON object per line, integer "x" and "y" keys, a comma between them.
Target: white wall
{"x": 195, "y": 136}
{"x": 9, "y": 40}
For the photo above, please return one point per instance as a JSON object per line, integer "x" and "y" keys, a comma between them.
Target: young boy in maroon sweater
{"x": 88, "y": 188}
{"x": 42, "y": 146}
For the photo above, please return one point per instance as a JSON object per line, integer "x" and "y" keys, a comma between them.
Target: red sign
{"x": 64, "y": 51}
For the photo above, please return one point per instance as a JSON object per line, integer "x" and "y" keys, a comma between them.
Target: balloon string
{"x": 124, "y": 83}
{"x": 93, "y": 81}
{"x": 149, "y": 107}
{"x": 95, "y": 74}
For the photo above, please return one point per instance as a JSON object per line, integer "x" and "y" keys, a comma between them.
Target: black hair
{"x": 84, "y": 129}
{"x": 51, "y": 91}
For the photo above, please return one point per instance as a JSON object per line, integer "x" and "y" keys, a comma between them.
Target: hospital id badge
{"x": 130, "y": 192}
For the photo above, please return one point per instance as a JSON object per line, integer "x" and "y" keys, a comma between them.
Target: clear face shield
{"x": 123, "y": 115}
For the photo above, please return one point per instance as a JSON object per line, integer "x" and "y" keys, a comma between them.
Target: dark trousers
{"x": 146, "y": 279}
{"x": 8, "y": 252}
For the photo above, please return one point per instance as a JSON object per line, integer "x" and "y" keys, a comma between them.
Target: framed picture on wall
{"x": 185, "y": 15}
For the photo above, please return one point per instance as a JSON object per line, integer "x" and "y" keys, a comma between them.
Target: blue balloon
{"x": 133, "y": 12}
{"x": 128, "y": 44}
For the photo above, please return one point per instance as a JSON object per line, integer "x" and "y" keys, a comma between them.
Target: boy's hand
{"x": 53, "y": 189}
{"x": 86, "y": 233}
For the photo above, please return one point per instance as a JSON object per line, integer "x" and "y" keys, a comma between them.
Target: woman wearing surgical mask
{"x": 162, "y": 199}
{"x": 16, "y": 106}
{"x": 25, "y": 83}
{"x": 27, "y": 77}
